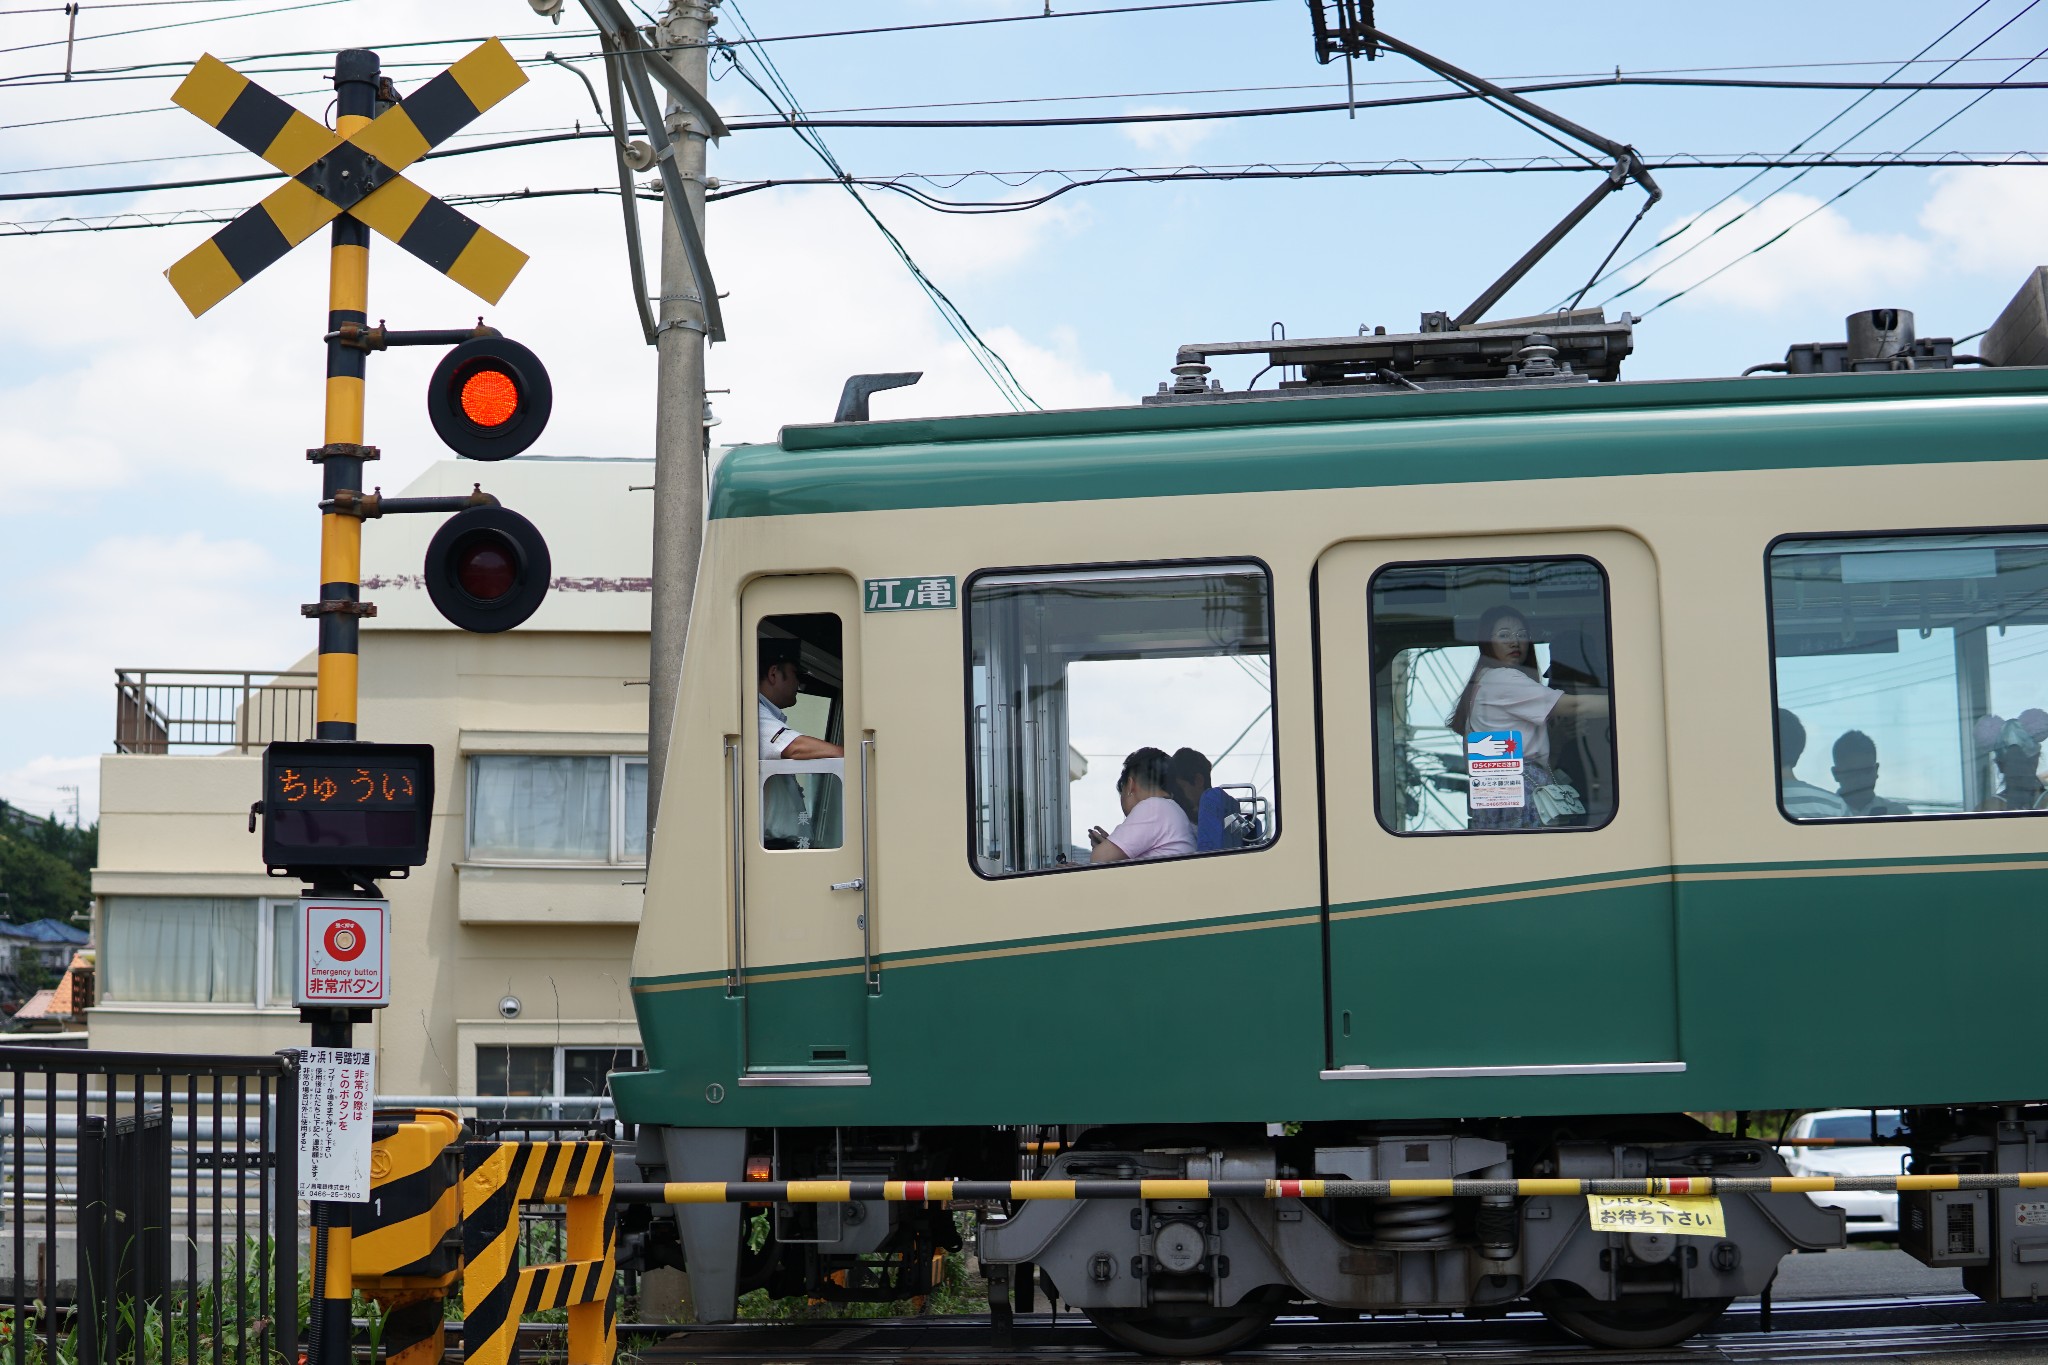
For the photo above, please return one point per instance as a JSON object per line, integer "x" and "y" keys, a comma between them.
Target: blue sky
{"x": 159, "y": 510}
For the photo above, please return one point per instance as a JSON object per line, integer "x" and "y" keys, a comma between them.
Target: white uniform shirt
{"x": 1509, "y": 699}
{"x": 782, "y": 799}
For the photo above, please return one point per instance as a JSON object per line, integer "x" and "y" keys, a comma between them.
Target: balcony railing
{"x": 159, "y": 710}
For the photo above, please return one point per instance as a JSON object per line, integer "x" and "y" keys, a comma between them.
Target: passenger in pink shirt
{"x": 1154, "y": 824}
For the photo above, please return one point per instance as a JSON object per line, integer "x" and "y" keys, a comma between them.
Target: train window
{"x": 1492, "y": 696}
{"x": 1120, "y": 714}
{"x": 802, "y": 768}
{"x": 1910, "y": 673}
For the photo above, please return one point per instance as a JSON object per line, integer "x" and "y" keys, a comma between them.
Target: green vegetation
{"x": 44, "y": 866}
{"x": 165, "y": 1333}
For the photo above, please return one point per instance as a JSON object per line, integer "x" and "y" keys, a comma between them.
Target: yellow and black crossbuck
{"x": 358, "y": 175}
{"x": 496, "y": 1290}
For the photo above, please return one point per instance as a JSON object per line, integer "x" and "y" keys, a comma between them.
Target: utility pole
{"x": 679, "y": 454}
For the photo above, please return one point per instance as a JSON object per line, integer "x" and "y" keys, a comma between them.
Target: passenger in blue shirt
{"x": 1206, "y": 805}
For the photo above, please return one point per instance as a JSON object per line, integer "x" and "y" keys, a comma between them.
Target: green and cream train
{"x": 1452, "y": 763}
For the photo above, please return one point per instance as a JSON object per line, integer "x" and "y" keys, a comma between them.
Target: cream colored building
{"x": 511, "y": 947}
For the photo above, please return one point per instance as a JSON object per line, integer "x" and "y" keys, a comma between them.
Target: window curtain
{"x": 284, "y": 951}
{"x": 181, "y": 949}
{"x": 530, "y": 806}
{"x": 633, "y": 842}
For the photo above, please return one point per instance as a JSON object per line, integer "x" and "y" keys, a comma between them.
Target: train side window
{"x": 1910, "y": 673}
{"x": 1492, "y": 696}
{"x": 1076, "y": 676}
{"x": 802, "y": 781}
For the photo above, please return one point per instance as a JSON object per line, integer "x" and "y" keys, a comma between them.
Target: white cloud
{"x": 153, "y": 601}
{"x": 817, "y": 295}
{"x": 1825, "y": 257}
{"x": 1990, "y": 220}
{"x": 40, "y": 786}
{"x": 1172, "y": 140}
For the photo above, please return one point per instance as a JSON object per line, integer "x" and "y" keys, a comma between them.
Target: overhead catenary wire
{"x": 1723, "y": 226}
{"x": 747, "y": 41}
{"x": 1084, "y": 179}
{"x": 180, "y": 23}
{"x": 1796, "y": 147}
{"x": 1305, "y": 171}
{"x": 1838, "y": 197}
{"x": 985, "y": 356}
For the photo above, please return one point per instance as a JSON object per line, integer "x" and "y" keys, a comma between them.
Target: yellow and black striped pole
{"x": 342, "y": 452}
{"x": 339, "y": 611}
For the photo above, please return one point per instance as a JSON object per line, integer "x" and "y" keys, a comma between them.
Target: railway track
{"x": 1861, "y": 1329}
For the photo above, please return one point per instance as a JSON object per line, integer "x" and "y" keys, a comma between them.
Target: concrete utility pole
{"x": 679, "y": 404}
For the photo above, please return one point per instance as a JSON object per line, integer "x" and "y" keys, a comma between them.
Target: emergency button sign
{"x": 345, "y": 952}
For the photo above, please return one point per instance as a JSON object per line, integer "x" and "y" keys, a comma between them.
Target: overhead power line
{"x": 160, "y": 28}
{"x": 905, "y": 183}
{"x": 985, "y": 356}
{"x": 1388, "y": 102}
{"x": 99, "y": 191}
{"x": 1719, "y": 228}
{"x": 1839, "y": 196}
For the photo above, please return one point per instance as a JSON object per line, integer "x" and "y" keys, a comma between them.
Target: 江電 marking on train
{"x": 357, "y": 175}
{"x": 929, "y": 592}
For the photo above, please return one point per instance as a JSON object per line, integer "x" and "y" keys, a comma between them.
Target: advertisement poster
{"x": 1493, "y": 762}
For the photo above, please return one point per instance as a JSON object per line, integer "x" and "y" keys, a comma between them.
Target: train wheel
{"x": 1160, "y": 1335}
{"x": 1638, "y": 1326}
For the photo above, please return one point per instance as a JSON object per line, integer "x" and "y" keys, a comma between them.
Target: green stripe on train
{"x": 1694, "y": 426}
{"x": 1764, "y": 986}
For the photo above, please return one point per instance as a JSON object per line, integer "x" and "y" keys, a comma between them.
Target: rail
{"x": 160, "y": 710}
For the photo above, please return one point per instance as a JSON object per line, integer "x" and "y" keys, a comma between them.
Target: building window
{"x": 1910, "y": 672}
{"x": 198, "y": 950}
{"x": 508, "y": 1069}
{"x": 1120, "y": 706}
{"x": 1492, "y": 696}
{"x": 558, "y": 808}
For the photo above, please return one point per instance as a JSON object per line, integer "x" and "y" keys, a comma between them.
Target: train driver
{"x": 1154, "y": 824}
{"x": 782, "y": 797}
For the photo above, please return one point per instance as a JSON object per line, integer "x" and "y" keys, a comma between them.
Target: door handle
{"x": 858, "y": 883}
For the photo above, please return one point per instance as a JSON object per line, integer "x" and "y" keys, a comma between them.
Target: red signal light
{"x": 486, "y": 567}
{"x": 490, "y": 397}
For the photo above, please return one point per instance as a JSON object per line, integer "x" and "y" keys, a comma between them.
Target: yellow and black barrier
{"x": 940, "y": 1191}
{"x": 405, "y": 1244}
{"x": 496, "y": 1290}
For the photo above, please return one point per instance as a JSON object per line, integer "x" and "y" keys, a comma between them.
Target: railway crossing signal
{"x": 352, "y": 170}
{"x": 336, "y": 812}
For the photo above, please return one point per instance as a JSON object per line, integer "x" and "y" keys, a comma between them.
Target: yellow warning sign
{"x": 1682, "y": 1215}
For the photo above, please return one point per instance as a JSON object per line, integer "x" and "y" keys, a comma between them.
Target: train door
{"x": 802, "y": 901}
{"x": 1496, "y": 821}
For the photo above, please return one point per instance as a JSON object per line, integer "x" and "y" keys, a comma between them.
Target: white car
{"x": 1871, "y": 1213}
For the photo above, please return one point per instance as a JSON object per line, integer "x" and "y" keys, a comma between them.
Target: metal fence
{"x": 158, "y": 710}
{"x": 150, "y": 1207}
